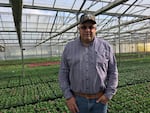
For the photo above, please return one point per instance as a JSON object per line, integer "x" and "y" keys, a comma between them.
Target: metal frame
{"x": 131, "y": 13}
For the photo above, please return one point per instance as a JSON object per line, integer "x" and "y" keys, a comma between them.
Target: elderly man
{"x": 88, "y": 74}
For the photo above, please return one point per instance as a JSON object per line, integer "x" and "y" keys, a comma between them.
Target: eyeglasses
{"x": 87, "y": 27}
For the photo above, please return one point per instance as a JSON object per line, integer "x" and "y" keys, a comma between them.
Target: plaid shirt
{"x": 88, "y": 69}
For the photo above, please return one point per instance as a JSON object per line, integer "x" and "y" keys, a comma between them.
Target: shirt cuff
{"x": 68, "y": 94}
{"x": 110, "y": 94}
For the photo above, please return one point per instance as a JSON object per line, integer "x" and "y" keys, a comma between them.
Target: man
{"x": 88, "y": 74}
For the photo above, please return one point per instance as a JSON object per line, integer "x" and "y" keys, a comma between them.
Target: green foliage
{"x": 39, "y": 92}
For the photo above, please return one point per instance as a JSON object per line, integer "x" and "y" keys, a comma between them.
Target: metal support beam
{"x": 75, "y": 11}
{"x": 102, "y": 10}
{"x": 124, "y": 24}
{"x": 17, "y": 15}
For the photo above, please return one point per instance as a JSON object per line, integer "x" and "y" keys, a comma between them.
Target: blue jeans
{"x": 90, "y": 105}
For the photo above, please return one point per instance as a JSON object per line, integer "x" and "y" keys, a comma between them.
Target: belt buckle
{"x": 91, "y": 96}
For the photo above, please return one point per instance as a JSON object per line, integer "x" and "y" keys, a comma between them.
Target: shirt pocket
{"x": 102, "y": 61}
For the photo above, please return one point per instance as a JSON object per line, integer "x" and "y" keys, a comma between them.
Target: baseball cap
{"x": 87, "y": 17}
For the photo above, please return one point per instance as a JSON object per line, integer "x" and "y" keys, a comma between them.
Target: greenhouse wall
{"x": 125, "y": 48}
{"x": 12, "y": 53}
{"x": 49, "y": 51}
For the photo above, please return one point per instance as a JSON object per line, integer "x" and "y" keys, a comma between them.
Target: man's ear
{"x": 78, "y": 27}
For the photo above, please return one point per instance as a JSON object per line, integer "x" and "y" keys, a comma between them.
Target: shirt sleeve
{"x": 64, "y": 76}
{"x": 112, "y": 76}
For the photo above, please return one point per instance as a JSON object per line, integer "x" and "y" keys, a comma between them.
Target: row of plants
{"x": 134, "y": 71}
{"x": 32, "y": 76}
{"x": 57, "y": 106}
{"x": 131, "y": 99}
{"x": 10, "y": 97}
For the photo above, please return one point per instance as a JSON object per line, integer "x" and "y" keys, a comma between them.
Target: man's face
{"x": 87, "y": 32}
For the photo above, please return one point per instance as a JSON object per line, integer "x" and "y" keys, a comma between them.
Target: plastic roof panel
{"x": 56, "y": 21}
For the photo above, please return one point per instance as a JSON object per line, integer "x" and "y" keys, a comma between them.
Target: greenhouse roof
{"x": 31, "y": 23}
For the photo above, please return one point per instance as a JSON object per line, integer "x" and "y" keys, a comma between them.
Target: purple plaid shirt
{"x": 88, "y": 69}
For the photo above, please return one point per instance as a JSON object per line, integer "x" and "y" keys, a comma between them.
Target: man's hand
{"x": 103, "y": 99}
{"x": 71, "y": 103}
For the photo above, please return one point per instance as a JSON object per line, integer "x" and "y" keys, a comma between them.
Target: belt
{"x": 89, "y": 96}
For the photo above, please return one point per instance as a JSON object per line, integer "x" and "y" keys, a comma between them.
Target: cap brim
{"x": 90, "y": 21}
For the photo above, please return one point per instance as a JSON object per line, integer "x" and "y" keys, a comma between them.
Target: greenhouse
{"x": 34, "y": 33}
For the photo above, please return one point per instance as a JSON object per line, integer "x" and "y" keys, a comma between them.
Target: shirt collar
{"x": 93, "y": 42}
